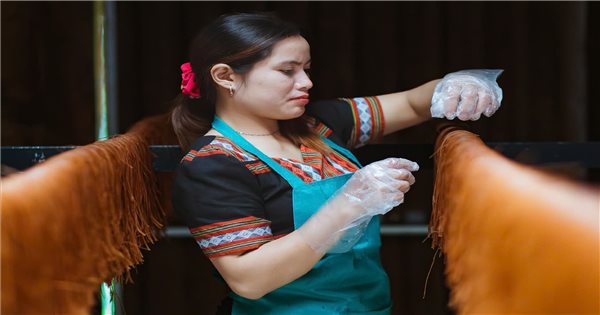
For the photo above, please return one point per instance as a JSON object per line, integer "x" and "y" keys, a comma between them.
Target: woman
{"x": 269, "y": 189}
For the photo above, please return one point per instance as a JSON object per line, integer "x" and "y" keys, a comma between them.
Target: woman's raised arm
{"x": 465, "y": 95}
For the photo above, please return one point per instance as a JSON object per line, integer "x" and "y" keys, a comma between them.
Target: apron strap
{"x": 222, "y": 127}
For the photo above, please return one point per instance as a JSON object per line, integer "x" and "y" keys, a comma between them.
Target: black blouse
{"x": 233, "y": 203}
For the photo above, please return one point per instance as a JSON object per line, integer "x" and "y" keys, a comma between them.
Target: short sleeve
{"x": 219, "y": 200}
{"x": 356, "y": 121}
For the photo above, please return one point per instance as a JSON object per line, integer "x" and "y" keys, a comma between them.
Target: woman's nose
{"x": 304, "y": 82}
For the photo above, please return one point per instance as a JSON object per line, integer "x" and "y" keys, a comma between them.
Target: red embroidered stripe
{"x": 227, "y": 229}
{"x": 258, "y": 168}
{"x": 235, "y": 147}
{"x": 377, "y": 120}
{"x": 312, "y": 158}
{"x": 189, "y": 156}
{"x": 236, "y": 152}
{"x": 356, "y": 115}
{"x": 343, "y": 161}
{"x": 233, "y": 236}
{"x": 210, "y": 228}
{"x": 323, "y": 130}
{"x": 330, "y": 171}
{"x": 216, "y": 147}
{"x": 296, "y": 170}
{"x": 211, "y": 152}
{"x": 317, "y": 164}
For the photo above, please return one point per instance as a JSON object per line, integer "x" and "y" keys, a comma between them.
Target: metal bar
{"x": 111, "y": 66}
{"x": 105, "y": 69}
{"x": 386, "y": 230}
{"x": 404, "y": 230}
{"x": 167, "y": 157}
{"x": 106, "y": 97}
{"x": 21, "y": 158}
{"x": 99, "y": 72}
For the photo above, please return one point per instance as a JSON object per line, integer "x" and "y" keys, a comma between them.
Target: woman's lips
{"x": 301, "y": 96}
{"x": 303, "y": 99}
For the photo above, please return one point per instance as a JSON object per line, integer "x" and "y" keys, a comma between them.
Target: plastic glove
{"x": 380, "y": 186}
{"x": 467, "y": 94}
{"x": 372, "y": 190}
{"x": 375, "y": 189}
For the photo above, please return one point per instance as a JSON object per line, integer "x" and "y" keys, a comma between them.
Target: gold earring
{"x": 231, "y": 90}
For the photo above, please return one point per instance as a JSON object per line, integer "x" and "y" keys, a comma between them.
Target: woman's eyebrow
{"x": 292, "y": 62}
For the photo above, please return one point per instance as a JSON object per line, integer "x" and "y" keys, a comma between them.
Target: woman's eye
{"x": 287, "y": 71}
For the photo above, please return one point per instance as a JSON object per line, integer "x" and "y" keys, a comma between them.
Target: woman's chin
{"x": 293, "y": 114}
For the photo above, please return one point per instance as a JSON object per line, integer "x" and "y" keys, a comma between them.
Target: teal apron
{"x": 350, "y": 282}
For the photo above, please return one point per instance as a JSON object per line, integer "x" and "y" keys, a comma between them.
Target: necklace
{"x": 258, "y": 134}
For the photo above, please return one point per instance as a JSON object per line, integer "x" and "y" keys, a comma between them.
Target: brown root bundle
{"x": 516, "y": 240}
{"x": 79, "y": 219}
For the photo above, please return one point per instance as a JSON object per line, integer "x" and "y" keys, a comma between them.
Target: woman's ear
{"x": 223, "y": 75}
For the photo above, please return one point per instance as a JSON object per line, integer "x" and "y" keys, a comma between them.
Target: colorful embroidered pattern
{"x": 306, "y": 172}
{"x": 230, "y": 237}
{"x": 368, "y": 120}
{"x": 190, "y": 155}
{"x": 338, "y": 165}
{"x": 221, "y": 145}
{"x": 313, "y": 167}
{"x": 322, "y": 129}
{"x": 258, "y": 168}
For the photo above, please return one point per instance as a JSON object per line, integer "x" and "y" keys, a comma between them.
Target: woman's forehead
{"x": 292, "y": 50}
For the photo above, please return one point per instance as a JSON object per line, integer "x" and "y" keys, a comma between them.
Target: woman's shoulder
{"x": 209, "y": 146}
{"x": 214, "y": 156}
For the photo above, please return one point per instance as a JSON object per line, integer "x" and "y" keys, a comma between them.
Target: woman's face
{"x": 277, "y": 87}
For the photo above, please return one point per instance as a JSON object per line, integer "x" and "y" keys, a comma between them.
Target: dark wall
{"x": 358, "y": 48}
{"x": 47, "y": 73}
{"x": 551, "y": 85}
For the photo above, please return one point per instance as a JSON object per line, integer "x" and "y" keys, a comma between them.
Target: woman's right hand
{"x": 380, "y": 186}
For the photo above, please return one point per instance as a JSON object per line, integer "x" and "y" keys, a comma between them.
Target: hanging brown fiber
{"x": 516, "y": 240}
{"x": 79, "y": 219}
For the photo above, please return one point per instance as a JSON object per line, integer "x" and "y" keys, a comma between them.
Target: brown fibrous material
{"x": 516, "y": 239}
{"x": 79, "y": 219}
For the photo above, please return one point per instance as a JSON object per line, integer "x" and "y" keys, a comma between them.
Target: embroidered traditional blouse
{"x": 232, "y": 202}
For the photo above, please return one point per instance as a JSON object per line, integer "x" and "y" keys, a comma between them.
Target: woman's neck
{"x": 248, "y": 124}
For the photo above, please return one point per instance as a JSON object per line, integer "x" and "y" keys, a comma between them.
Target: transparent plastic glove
{"x": 380, "y": 186}
{"x": 372, "y": 190}
{"x": 467, "y": 94}
{"x": 349, "y": 235}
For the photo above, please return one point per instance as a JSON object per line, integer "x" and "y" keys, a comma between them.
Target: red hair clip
{"x": 188, "y": 81}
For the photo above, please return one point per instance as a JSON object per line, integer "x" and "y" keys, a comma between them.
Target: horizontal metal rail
{"x": 386, "y": 230}
{"x": 167, "y": 157}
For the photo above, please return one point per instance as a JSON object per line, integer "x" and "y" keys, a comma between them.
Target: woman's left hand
{"x": 467, "y": 94}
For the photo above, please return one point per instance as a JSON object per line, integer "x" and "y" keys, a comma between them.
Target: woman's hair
{"x": 238, "y": 40}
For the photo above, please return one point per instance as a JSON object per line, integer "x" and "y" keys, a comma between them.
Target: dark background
{"x": 551, "y": 87}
